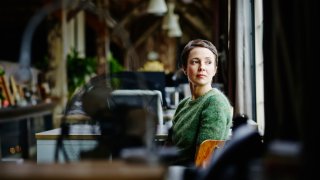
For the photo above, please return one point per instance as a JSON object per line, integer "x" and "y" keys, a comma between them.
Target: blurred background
{"x": 49, "y": 50}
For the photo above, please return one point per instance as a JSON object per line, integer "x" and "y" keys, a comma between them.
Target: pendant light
{"x": 157, "y": 7}
{"x": 173, "y": 26}
{"x": 171, "y": 22}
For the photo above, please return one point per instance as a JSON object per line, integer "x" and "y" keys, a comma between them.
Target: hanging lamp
{"x": 157, "y": 7}
{"x": 171, "y": 22}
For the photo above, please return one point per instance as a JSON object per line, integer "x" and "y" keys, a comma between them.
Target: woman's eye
{"x": 194, "y": 62}
{"x": 208, "y": 62}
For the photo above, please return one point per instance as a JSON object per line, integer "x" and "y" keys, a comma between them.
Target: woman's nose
{"x": 201, "y": 67}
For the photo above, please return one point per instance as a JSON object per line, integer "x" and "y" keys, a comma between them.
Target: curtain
{"x": 291, "y": 38}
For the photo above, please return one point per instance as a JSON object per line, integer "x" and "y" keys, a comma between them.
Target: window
{"x": 249, "y": 61}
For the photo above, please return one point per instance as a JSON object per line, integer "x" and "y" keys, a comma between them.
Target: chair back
{"x": 205, "y": 151}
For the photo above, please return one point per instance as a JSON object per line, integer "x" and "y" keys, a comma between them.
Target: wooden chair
{"x": 205, "y": 151}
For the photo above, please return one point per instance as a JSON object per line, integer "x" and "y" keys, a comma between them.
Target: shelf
{"x": 20, "y": 113}
{"x": 18, "y": 125}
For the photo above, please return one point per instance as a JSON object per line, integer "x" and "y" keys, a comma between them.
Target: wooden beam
{"x": 147, "y": 33}
{"x": 198, "y": 24}
{"x": 198, "y": 15}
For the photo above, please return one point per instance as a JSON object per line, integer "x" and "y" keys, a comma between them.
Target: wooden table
{"x": 82, "y": 170}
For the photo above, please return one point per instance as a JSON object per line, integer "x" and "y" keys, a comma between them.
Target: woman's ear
{"x": 184, "y": 70}
{"x": 215, "y": 70}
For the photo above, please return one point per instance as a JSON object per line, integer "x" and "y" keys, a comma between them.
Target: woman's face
{"x": 201, "y": 66}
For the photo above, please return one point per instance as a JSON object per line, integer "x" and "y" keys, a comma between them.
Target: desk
{"x": 82, "y": 137}
{"x": 82, "y": 170}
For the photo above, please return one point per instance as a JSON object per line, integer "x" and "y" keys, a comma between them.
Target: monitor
{"x": 140, "y": 80}
{"x": 137, "y": 114}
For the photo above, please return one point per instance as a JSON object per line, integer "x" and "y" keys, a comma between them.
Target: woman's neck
{"x": 198, "y": 91}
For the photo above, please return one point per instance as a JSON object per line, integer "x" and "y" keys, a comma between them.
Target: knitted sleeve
{"x": 214, "y": 121}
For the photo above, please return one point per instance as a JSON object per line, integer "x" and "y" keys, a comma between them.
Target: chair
{"x": 205, "y": 151}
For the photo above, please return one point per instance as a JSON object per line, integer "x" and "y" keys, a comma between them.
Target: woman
{"x": 207, "y": 113}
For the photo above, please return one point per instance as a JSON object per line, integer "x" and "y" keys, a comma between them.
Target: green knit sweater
{"x": 207, "y": 117}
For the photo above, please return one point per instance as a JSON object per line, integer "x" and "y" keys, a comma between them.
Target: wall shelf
{"x": 18, "y": 125}
{"x": 18, "y": 113}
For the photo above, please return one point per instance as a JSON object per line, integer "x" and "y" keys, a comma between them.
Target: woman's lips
{"x": 201, "y": 76}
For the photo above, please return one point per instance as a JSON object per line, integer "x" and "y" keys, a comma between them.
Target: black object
{"x": 239, "y": 120}
{"x": 232, "y": 161}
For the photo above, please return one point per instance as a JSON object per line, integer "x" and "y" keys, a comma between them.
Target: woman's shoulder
{"x": 218, "y": 101}
{"x": 218, "y": 96}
